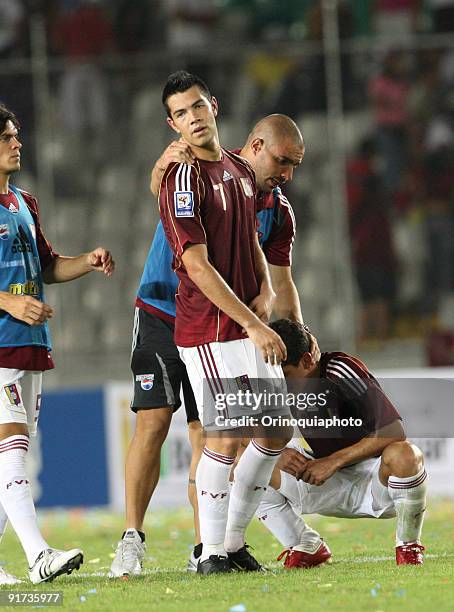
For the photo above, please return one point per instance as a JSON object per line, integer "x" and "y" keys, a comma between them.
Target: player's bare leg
{"x": 143, "y": 463}
{"x": 16, "y": 499}
{"x": 197, "y": 441}
{"x": 402, "y": 471}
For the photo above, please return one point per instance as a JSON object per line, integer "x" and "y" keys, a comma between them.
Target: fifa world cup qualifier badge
{"x": 184, "y": 203}
{"x": 146, "y": 381}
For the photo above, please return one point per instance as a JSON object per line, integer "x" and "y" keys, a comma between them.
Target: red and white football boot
{"x": 410, "y": 554}
{"x": 299, "y": 559}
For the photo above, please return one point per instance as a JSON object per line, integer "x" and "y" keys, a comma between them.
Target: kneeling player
{"x": 371, "y": 471}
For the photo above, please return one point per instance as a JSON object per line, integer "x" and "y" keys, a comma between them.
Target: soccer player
{"x": 208, "y": 214}
{"x": 370, "y": 471}
{"x": 27, "y": 261}
{"x": 274, "y": 148}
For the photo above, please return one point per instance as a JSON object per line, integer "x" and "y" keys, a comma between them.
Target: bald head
{"x": 274, "y": 148}
{"x": 277, "y": 128}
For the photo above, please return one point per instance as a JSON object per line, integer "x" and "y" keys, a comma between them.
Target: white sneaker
{"x": 128, "y": 555}
{"x": 6, "y": 578}
{"x": 50, "y": 563}
{"x": 192, "y": 563}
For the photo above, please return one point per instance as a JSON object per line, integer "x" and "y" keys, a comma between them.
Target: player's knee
{"x": 226, "y": 446}
{"x": 153, "y": 425}
{"x": 403, "y": 459}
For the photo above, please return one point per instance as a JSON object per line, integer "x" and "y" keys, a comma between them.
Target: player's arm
{"x": 318, "y": 470}
{"x": 214, "y": 287}
{"x": 179, "y": 152}
{"x": 262, "y": 304}
{"x": 25, "y": 308}
{"x": 287, "y": 303}
{"x": 62, "y": 269}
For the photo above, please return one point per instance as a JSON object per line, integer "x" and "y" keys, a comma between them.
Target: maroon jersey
{"x": 211, "y": 203}
{"x": 34, "y": 358}
{"x": 350, "y": 391}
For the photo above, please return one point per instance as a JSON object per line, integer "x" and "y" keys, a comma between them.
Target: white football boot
{"x": 6, "y": 578}
{"x": 51, "y": 563}
{"x": 128, "y": 555}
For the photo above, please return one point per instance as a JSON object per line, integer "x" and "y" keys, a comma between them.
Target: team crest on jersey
{"x": 13, "y": 395}
{"x": 226, "y": 176}
{"x": 146, "y": 381}
{"x": 184, "y": 203}
{"x": 247, "y": 187}
{"x": 13, "y": 208}
{"x": 4, "y": 231}
{"x": 243, "y": 382}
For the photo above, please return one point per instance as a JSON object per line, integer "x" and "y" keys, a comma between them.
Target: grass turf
{"x": 363, "y": 575}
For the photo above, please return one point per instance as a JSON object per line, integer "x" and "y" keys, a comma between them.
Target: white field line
{"x": 157, "y": 570}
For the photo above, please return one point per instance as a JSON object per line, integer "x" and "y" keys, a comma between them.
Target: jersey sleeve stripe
{"x": 355, "y": 383}
{"x": 347, "y": 381}
{"x": 349, "y": 372}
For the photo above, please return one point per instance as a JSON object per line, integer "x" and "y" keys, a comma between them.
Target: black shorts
{"x": 157, "y": 369}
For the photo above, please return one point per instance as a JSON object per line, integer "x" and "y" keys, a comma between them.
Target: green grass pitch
{"x": 363, "y": 575}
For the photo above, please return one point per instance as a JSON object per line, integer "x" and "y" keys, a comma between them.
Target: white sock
{"x": 212, "y": 481}
{"x": 251, "y": 479}
{"x": 276, "y": 513}
{"x": 409, "y": 497}
{"x": 16, "y": 497}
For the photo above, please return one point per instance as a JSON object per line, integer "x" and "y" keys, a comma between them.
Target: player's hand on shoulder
{"x": 178, "y": 152}
{"x": 262, "y": 305}
{"x": 292, "y": 462}
{"x": 315, "y": 349}
{"x": 28, "y": 309}
{"x": 267, "y": 341}
{"x": 100, "y": 260}
{"x": 317, "y": 471}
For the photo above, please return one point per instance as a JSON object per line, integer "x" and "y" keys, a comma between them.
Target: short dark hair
{"x": 179, "y": 82}
{"x": 7, "y": 115}
{"x": 295, "y": 337}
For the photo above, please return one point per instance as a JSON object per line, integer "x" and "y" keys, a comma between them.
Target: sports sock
{"x": 276, "y": 513}
{"x": 141, "y": 533}
{"x": 212, "y": 480}
{"x": 251, "y": 479}
{"x": 409, "y": 497}
{"x": 16, "y": 497}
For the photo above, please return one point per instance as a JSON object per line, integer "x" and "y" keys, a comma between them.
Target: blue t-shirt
{"x": 20, "y": 273}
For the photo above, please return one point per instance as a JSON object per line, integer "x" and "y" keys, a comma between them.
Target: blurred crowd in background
{"x": 107, "y": 60}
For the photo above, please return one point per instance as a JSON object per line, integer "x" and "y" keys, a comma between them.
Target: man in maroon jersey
{"x": 27, "y": 261}
{"x": 274, "y": 149}
{"x": 208, "y": 214}
{"x": 363, "y": 469}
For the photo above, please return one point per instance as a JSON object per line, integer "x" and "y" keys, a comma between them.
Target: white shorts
{"x": 20, "y": 397}
{"x": 352, "y": 492}
{"x": 219, "y": 368}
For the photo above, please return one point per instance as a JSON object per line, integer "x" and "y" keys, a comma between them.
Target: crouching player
{"x": 373, "y": 473}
